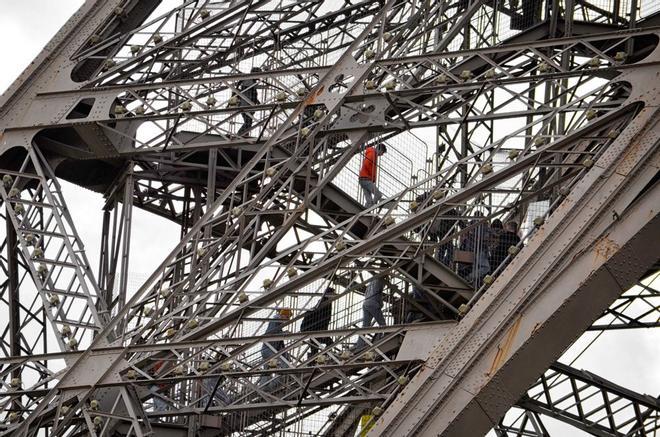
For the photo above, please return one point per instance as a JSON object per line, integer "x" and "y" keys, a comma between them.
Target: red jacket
{"x": 369, "y": 165}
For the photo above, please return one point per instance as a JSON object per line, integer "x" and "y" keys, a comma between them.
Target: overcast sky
{"x": 630, "y": 358}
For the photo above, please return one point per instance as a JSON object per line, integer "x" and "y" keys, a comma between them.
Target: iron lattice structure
{"x": 243, "y": 122}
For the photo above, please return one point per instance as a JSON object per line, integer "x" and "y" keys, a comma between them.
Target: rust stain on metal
{"x": 504, "y": 347}
{"x": 605, "y": 248}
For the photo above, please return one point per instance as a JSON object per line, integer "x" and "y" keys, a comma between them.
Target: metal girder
{"x": 525, "y": 424}
{"x": 149, "y": 104}
{"x": 538, "y": 306}
{"x": 638, "y": 307}
{"x": 592, "y": 404}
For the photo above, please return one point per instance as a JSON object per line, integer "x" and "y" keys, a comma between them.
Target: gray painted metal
{"x": 135, "y": 101}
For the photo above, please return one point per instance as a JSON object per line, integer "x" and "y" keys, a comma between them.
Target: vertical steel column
{"x": 127, "y": 216}
{"x": 104, "y": 259}
{"x": 14, "y": 301}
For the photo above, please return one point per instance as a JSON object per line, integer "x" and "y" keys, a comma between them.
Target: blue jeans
{"x": 220, "y": 397}
{"x": 372, "y": 194}
{"x": 159, "y": 403}
{"x": 370, "y": 312}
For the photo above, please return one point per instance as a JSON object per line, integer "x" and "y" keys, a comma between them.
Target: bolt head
{"x": 441, "y": 79}
{"x": 438, "y": 194}
{"x": 243, "y": 297}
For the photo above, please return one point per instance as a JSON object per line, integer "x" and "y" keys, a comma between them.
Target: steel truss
{"x": 538, "y": 115}
{"x": 592, "y": 404}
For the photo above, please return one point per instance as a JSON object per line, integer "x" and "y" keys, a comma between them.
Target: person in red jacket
{"x": 372, "y": 194}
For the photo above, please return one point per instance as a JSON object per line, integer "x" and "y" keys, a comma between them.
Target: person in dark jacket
{"x": 268, "y": 349}
{"x": 509, "y": 237}
{"x": 414, "y": 314}
{"x": 247, "y": 97}
{"x": 271, "y": 348}
{"x": 495, "y": 255}
{"x": 441, "y": 227}
{"x": 476, "y": 241}
{"x": 438, "y": 230}
{"x": 318, "y": 319}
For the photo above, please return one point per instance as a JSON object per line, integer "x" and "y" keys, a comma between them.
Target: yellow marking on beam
{"x": 504, "y": 347}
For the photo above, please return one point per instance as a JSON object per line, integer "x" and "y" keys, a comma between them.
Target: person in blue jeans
{"x": 372, "y": 308}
